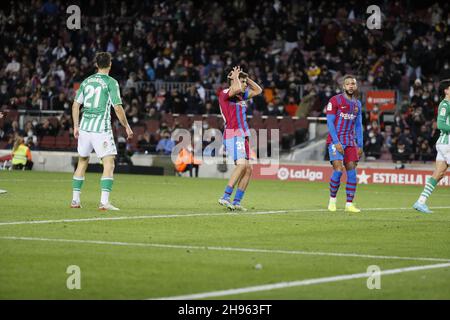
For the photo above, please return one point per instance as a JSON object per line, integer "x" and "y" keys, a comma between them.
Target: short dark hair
{"x": 444, "y": 84}
{"x": 103, "y": 60}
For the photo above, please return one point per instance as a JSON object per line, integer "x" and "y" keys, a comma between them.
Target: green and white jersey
{"x": 444, "y": 117}
{"x": 98, "y": 93}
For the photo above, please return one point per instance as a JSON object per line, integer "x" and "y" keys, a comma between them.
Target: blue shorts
{"x": 237, "y": 148}
{"x": 350, "y": 153}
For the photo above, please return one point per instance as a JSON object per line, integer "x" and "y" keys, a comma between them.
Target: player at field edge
{"x": 232, "y": 102}
{"x": 442, "y": 148}
{"x": 97, "y": 93}
{"x": 345, "y": 141}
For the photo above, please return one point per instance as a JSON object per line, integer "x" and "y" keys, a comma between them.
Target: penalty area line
{"x": 299, "y": 283}
{"x": 187, "y": 215}
{"x": 231, "y": 249}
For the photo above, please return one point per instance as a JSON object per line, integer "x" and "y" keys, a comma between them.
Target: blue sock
{"x": 238, "y": 196}
{"x": 335, "y": 182}
{"x": 228, "y": 192}
{"x": 351, "y": 185}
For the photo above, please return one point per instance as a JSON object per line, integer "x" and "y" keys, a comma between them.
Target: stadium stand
{"x": 170, "y": 59}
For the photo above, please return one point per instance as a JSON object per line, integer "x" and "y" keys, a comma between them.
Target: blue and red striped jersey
{"x": 233, "y": 110}
{"x": 347, "y": 117}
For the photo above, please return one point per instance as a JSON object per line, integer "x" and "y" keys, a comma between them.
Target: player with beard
{"x": 345, "y": 141}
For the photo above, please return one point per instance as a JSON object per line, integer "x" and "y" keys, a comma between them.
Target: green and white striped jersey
{"x": 98, "y": 93}
{"x": 444, "y": 117}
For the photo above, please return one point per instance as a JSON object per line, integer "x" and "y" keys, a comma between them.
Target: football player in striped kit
{"x": 345, "y": 141}
{"x": 442, "y": 148}
{"x": 97, "y": 93}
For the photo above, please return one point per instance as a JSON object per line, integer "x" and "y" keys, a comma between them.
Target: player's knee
{"x": 249, "y": 169}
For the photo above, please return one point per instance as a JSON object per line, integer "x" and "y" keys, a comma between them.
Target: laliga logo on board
{"x": 283, "y": 173}
{"x": 304, "y": 174}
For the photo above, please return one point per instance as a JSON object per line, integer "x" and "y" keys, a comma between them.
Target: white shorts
{"x": 443, "y": 152}
{"x": 102, "y": 143}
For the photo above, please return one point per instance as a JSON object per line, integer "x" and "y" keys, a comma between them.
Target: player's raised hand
{"x": 129, "y": 133}
{"x": 235, "y": 72}
{"x": 339, "y": 148}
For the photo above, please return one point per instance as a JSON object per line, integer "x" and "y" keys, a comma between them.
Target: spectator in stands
{"x": 21, "y": 155}
{"x": 146, "y": 143}
{"x": 424, "y": 151}
{"x": 375, "y": 114}
{"x": 14, "y": 130}
{"x": 46, "y": 129}
{"x": 291, "y": 106}
{"x": 152, "y": 114}
{"x": 30, "y": 135}
{"x": 166, "y": 144}
{"x": 173, "y": 41}
{"x": 372, "y": 144}
{"x": 194, "y": 105}
{"x": 401, "y": 154}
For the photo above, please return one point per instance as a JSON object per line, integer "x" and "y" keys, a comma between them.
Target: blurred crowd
{"x": 296, "y": 50}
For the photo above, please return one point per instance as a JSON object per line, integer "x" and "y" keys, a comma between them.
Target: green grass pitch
{"x": 133, "y": 263}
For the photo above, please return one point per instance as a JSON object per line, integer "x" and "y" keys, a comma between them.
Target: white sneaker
{"x": 226, "y": 203}
{"x": 3, "y": 191}
{"x": 238, "y": 207}
{"x": 107, "y": 207}
{"x": 75, "y": 205}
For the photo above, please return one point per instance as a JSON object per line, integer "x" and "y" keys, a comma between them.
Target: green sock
{"x": 428, "y": 189}
{"x": 106, "y": 184}
{"x": 77, "y": 183}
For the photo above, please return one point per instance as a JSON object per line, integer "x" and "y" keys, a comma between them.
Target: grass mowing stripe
{"x": 214, "y": 248}
{"x": 176, "y": 215}
{"x": 299, "y": 283}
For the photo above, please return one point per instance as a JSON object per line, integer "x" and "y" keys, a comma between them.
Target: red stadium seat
{"x": 12, "y": 115}
{"x": 256, "y": 122}
{"x": 137, "y": 130}
{"x": 287, "y": 126}
{"x": 184, "y": 121}
{"x": 152, "y": 125}
{"x": 212, "y": 121}
{"x": 301, "y": 123}
{"x": 167, "y": 118}
{"x": 47, "y": 142}
{"x": 271, "y": 123}
{"x": 62, "y": 142}
{"x": 54, "y": 122}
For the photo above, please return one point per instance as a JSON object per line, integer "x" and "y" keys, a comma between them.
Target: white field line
{"x": 187, "y": 215}
{"x": 213, "y": 248}
{"x": 299, "y": 283}
{"x": 70, "y": 180}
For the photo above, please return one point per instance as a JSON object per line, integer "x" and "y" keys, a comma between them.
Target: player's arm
{"x": 236, "y": 85}
{"x": 79, "y": 99}
{"x": 443, "y": 114}
{"x": 331, "y": 118}
{"x": 118, "y": 109}
{"x": 253, "y": 90}
{"x": 1, "y": 115}
{"x": 116, "y": 100}
{"x": 359, "y": 131}
{"x": 76, "y": 118}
